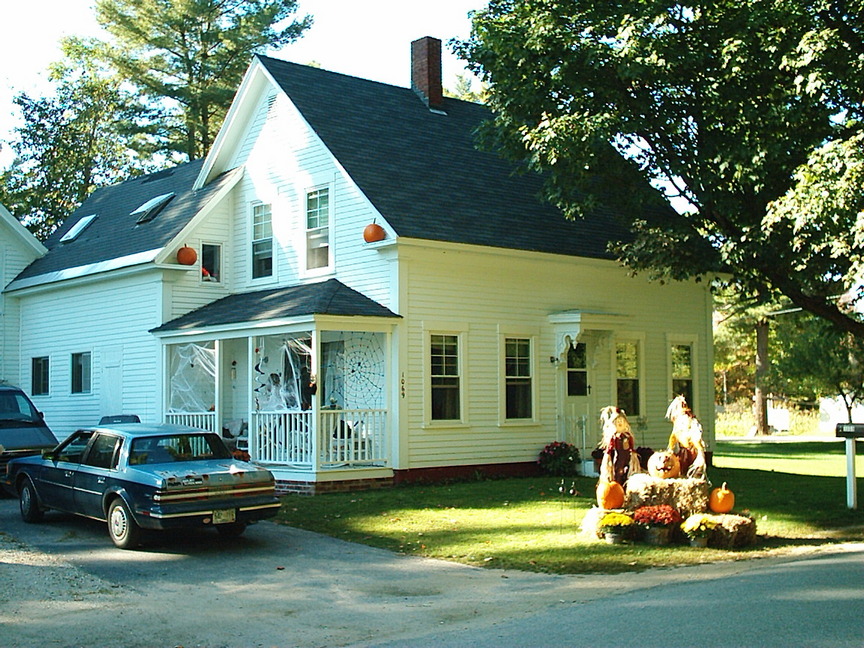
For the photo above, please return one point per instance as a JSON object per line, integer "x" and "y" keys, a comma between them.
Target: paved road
{"x": 279, "y": 586}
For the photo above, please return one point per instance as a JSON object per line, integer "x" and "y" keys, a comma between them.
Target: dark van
{"x": 22, "y": 429}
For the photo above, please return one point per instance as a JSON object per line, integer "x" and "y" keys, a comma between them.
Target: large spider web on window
{"x": 192, "y": 386}
{"x": 354, "y": 365}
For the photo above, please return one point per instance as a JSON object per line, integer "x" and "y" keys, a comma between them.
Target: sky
{"x": 370, "y": 39}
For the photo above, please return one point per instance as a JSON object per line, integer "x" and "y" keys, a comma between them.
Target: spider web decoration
{"x": 192, "y": 386}
{"x": 355, "y": 370}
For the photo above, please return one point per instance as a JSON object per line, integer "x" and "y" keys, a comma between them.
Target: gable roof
{"x": 21, "y": 233}
{"x": 115, "y": 232}
{"x": 330, "y": 297}
{"x": 423, "y": 173}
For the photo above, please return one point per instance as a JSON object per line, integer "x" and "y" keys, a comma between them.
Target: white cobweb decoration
{"x": 354, "y": 370}
{"x": 193, "y": 378}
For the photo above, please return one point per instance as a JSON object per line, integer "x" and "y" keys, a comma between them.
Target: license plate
{"x": 224, "y": 517}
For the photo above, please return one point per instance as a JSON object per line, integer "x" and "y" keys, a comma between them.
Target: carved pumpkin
{"x": 722, "y": 500}
{"x": 664, "y": 465}
{"x": 187, "y": 255}
{"x": 374, "y": 232}
{"x": 610, "y": 495}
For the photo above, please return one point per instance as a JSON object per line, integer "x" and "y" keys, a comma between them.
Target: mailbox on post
{"x": 850, "y": 432}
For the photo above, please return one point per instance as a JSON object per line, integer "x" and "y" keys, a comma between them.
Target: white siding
{"x": 283, "y": 160}
{"x": 487, "y": 293}
{"x": 14, "y": 257}
{"x": 101, "y": 318}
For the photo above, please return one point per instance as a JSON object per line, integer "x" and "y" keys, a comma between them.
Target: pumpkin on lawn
{"x": 722, "y": 500}
{"x": 610, "y": 494}
{"x": 664, "y": 465}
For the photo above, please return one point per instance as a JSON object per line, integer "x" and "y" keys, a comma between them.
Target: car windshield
{"x": 177, "y": 447}
{"x": 14, "y": 406}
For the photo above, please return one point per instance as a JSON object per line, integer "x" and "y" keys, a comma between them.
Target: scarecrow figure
{"x": 620, "y": 459}
{"x": 686, "y": 439}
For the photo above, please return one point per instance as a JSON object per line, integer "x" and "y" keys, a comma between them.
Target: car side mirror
{"x": 49, "y": 454}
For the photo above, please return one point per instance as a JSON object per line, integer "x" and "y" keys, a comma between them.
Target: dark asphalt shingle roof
{"x": 423, "y": 172}
{"x": 115, "y": 232}
{"x": 330, "y": 297}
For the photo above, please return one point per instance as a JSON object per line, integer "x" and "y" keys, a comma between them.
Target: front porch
{"x": 298, "y": 378}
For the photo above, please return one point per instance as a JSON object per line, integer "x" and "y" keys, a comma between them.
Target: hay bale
{"x": 687, "y": 496}
{"x": 732, "y": 531}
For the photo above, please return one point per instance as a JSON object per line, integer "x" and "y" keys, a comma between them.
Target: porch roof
{"x": 330, "y": 297}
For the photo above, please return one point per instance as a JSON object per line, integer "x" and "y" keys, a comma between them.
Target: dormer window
{"x": 151, "y": 208}
{"x": 77, "y": 228}
{"x": 317, "y": 229}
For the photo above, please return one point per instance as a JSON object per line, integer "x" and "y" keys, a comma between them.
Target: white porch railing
{"x": 353, "y": 437}
{"x": 345, "y": 438}
{"x": 282, "y": 438}
{"x": 203, "y": 420}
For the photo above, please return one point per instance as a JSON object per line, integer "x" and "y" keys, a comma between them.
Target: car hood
{"x": 20, "y": 435}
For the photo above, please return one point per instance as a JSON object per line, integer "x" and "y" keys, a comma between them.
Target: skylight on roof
{"x": 149, "y": 209}
{"x": 77, "y": 228}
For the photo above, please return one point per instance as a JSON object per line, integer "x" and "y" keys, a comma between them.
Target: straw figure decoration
{"x": 619, "y": 446}
{"x": 686, "y": 439}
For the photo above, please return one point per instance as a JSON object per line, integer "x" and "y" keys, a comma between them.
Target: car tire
{"x": 232, "y": 530}
{"x": 28, "y": 502}
{"x": 122, "y": 527}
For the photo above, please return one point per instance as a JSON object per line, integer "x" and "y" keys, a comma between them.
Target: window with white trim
{"x": 318, "y": 229}
{"x": 518, "y": 379}
{"x": 81, "y": 373}
{"x": 39, "y": 384}
{"x": 445, "y": 377}
{"x": 211, "y": 262}
{"x": 262, "y": 240}
{"x": 682, "y": 371}
{"x": 627, "y": 377}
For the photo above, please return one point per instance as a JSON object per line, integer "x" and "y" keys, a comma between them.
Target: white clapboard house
{"x": 479, "y": 327}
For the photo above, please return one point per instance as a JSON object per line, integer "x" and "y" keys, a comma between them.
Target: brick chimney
{"x": 426, "y": 71}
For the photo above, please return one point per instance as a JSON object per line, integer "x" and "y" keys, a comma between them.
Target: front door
{"x": 577, "y": 398}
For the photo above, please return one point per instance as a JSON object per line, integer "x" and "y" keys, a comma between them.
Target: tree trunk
{"x": 760, "y": 405}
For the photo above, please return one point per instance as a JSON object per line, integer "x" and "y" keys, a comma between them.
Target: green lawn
{"x": 530, "y": 524}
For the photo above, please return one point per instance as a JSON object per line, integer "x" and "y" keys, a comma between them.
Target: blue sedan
{"x": 139, "y": 476}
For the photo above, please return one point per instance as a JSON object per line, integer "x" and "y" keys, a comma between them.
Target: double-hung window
{"x": 39, "y": 367}
{"x": 81, "y": 373}
{"x": 517, "y": 379}
{"x": 445, "y": 377}
{"x": 318, "y": 229}
{"x": 627, "y": 376}
{"x": 262, "y": 241}
{"x": 682, "y": 371}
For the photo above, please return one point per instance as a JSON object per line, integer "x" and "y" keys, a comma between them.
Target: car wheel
{"x": 29, "y": 502}
{"x": 232, "y": 530}
{"x": 122, "y": 527}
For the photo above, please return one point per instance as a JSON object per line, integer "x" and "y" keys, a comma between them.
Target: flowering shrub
{"x": 699, "y": 525}
{"x": 615, "y": 522}
{"x": 660, "y": 515}
{"x": 559, "y": 458}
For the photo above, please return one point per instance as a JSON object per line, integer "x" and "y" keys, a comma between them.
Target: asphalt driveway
{"x": 65, "y": 584}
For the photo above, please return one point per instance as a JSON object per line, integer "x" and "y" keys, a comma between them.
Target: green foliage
{"x": 84, "y": 135}
{"x": 812, "y": 359}
{"x": 559, "y": 458}
{"x": 736, "y": 108}
{"x": 190, "y": 55}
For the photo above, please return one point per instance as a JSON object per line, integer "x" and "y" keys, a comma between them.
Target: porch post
{"x": 316, "y": 400}
{"x": 217, "y": 387}
{"x": 252, "y": 425}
